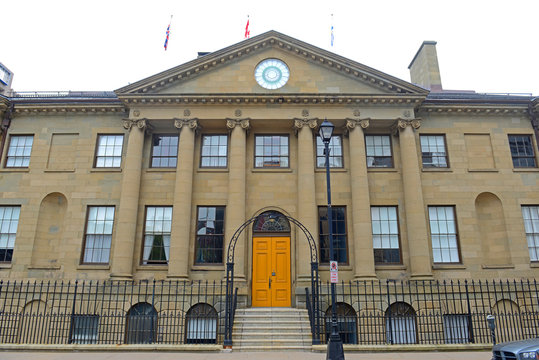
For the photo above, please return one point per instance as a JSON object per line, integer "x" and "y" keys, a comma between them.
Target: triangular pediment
{"x": 231, "y": 71}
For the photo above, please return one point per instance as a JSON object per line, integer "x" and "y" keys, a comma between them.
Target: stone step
{"x": 259, "y": 348}
{"x": 265, "y": 329}
{"x": 272, "y": 342}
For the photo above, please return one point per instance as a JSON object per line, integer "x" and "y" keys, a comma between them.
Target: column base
{"x": 419, "y": 277}
{"x": 366, "y": 277}
{"x": 178, "y": 277}
{"x": 121, "y": 276}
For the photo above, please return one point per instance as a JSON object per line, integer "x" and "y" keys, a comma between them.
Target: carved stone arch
{"x": 33, "y": 324}
{"x": 49, "y": 231}
{"x": 492, "y": 230}
{"x": 347, "y": 321}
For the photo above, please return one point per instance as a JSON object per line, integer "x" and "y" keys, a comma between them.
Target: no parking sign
{"x": 334, "y": 272}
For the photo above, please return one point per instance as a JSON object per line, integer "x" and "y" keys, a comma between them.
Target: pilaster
{"x": 180, "y": 236}
{"x": 235, "y": 210}
{"x": 306, "y": 197}
{"x": 416, "y": 221}
{"x": 124, "y": 239}
{"x": 361, "y": 213}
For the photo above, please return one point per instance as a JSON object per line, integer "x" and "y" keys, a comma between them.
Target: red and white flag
{"x": 247, "y": 31}
{"x": 168, "y": 33}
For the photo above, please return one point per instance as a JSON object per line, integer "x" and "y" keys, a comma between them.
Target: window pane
{"x": 271, "y": 151}
{"x": 98, "y": 236}
{"x": 378, "y": 149}
{"x": 18, "y": 154}
{"x": 9, "y": 220}
{"x": 385, "y": 232}
{"x": 210, "y": 235}
{"x": 443, "y": 233}
{"x": 340, "y": 235}
{"x": 214, "y": 151}
{"x": 109, "y": 151}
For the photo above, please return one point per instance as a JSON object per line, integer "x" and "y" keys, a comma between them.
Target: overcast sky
{"x": 486, "y": 46}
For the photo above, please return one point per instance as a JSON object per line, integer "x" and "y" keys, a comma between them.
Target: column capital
{"x": 190, "y": 123}
{"x": 142, "y": 124}
{"x": 300, "y": 123}
{"x": 243, "y": 123}
{"x": 402, "y": 124}
{"x": 353, "y": 123}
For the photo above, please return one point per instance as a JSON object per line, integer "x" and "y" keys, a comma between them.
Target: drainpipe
{"x": 6, "y": 122}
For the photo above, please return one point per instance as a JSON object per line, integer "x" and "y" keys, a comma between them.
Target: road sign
{"x": 334, "y": 271}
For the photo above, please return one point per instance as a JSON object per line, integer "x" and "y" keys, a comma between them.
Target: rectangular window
{"x": 433, "y": 151}
{"x": 214, "y": 151}
{"x": 98, "y": 235}
{"x": 18, "y": 154}
{"x": 378, "y": 151}
{"x": 335, "y": 152}
{"x": 531, "y": 226}
{"x": 385, "y": 235}
{"x": 164, "y": 151}
{"x": 109, "y": 151}
{"x": 85, "y": 329}
{"x": 456, "y": 329}
{"x": 157, "y": 235}
{"x": 522, "y": 151}
{"x": 9, "y": 221}
{"x": 443, "y": 233}
{"x": 210, "y": 235}
{"x": 340, "y": 248}
{"x": 271, "y": 151}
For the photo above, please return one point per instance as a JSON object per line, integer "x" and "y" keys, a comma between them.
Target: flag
{"x": 168, "y": 33}
{"x": 332, "y": 37}
{"x": 247, "y": 31}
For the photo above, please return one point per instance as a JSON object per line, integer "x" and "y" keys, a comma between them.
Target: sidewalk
{"x": 290, "y": 355}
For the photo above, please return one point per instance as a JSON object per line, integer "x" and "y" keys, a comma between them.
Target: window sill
{"x": 448, "y": 266}
{"x": 503, "y": 266}
{"x": 93, "y": 267}
{"x": 437, "y": 170}
{"x": 483, "y": 170}
{"x": 525, "y": 169}
{"x": 20, "y": 170}
{"x": 390, "y": 267}
{"x": 375, "y": 170}
{"x": 213, "y": 170}
{"x": 271, "y": 170}
{"x": 161, "y": 169}
{"x": 152, "y": 267}
{"x": 333, "y": 170}
{"x": 216, "y": 267}
{"x": 60, "y": 171}
{"x": 97, "y": 170}
{"x": 6, "y": 266}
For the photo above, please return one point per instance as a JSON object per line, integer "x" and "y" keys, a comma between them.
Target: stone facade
{"x": 217, "y": 95}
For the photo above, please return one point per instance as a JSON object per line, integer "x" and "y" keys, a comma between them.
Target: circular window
{"x": 272, "y": 74}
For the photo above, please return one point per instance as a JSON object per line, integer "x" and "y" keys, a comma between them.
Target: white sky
{"x": 483, "y": 45}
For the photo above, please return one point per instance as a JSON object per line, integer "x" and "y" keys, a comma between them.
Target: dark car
{"x": 517, "y": 350}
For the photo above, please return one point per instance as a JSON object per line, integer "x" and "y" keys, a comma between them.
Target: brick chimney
{"x": 424, "y": 69}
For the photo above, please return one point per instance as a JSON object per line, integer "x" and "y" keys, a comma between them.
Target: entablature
{"x": 473, "y": 109}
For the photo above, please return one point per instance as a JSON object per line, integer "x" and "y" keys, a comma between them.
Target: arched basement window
{"x": 201, "y": 323}
{"x": 271, "y": 221}
{"x": 141, "y": 324}
{"x": 401, "y": 324}
{"x": 346, "y": 323}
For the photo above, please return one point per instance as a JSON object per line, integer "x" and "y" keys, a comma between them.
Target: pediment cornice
{"x": 271, "y": 39}
{"x": 474, "y": 109}
{"x": 264, "y": 99}
{"x": 66, "y": 108}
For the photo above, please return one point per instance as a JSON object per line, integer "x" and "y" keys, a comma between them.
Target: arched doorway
{"x": 271, "y": 280}
{"x": 141, "y": 324}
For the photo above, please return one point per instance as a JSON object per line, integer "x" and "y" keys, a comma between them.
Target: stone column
{"x": 307, "y": 209}
{"x": 416, "y": 221}
{"x": 124, "y": 239}
{"x": 180, "y": 235}
{"x": 361, "y": 203}
{"x": 235, "y": 210}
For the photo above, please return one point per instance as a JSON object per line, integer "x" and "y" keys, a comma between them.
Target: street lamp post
{"x": 334, "y": 349}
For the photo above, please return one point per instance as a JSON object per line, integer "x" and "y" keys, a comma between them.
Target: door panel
{"x": 271, "y": 255}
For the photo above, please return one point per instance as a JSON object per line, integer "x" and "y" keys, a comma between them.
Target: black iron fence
{"x": 112, "y": 312}
{"x": 428, "y": 312}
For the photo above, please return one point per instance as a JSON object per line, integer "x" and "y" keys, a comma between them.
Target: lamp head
{"x": 326, "y": 131}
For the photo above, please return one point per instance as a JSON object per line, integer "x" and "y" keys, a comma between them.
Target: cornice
{"x": 4, "y": 103}
{"x": 264, "y": 99}
{"x": 66, "y": 108}
{"x": 474, "y": 109}
{"x": 272, "y": 39}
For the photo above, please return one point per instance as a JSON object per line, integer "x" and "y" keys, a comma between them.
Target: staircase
{"x": 271, "y": 329}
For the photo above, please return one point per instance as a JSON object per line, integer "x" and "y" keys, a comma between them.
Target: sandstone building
{"x": 151, "y": 181}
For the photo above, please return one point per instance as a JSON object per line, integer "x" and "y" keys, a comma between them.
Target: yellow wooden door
{"x": 271, "y": 272}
